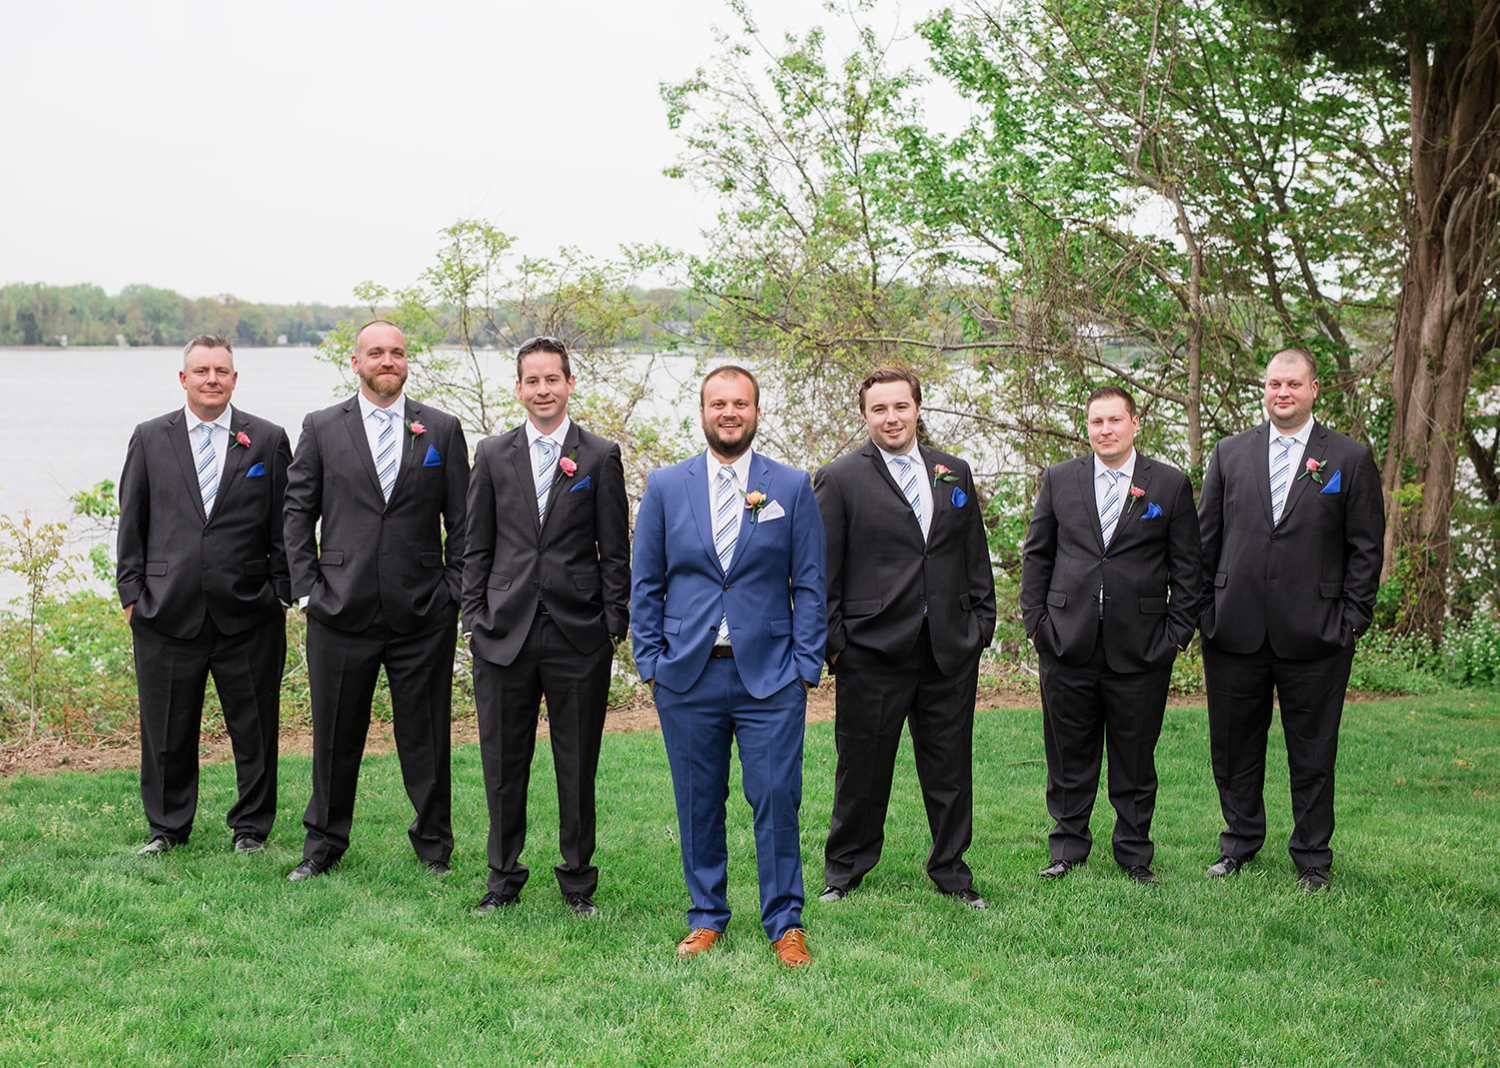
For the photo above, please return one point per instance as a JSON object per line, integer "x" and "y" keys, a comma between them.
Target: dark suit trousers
{"x": 576, "y": 686}
{"x": 874, "y": 697}
{"x": 1084, "y": 711}
{"x": 1239, "y": 719}
{"x": 342, "y": 670}
{"x": 170, "y": 675}
{"x": 698, "y": 728}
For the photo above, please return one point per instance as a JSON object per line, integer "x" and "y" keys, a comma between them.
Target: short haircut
{"x": 1108, "y": 393}
{"x": 544, "y": 344}
{"x": 729, "y": 370}
{"x": 1299, "y": 354}
{"x": 207, "y": 341}
{"x": 373, "y": 322}
{"x": 882, "y": 375}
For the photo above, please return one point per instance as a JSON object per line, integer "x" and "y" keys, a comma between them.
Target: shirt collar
{"x": 1299, "y": 436}
{"x": 741, "y": 467}
{"x": 225, "y": 420}
{"x": 891, "y": 457}
{"x": 367, "y": 407}
{"x": 1127, "y": 468}
{"x": 557, "y": 437}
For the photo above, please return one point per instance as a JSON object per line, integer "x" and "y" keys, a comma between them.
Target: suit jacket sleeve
{"x": 134, "y": 523}
{"x": 1184, "y": 567}
{"x": 809, "y": 584}
{"x": 1211, "y": 526}
{"x": 455, "y": 497}
{"x": 1364, "y": 539}
{"x": 830, "y": 500}
{"x": 304, "y": 504}
{"x": 612, "y": 511}
{"x": 648, "y": 581}
{"x": 479, "y": 540}
{"x": 981, "y": 573}
{"x": 1038, "y": 558}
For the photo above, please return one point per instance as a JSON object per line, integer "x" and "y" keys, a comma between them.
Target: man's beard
{"x": 724, "y": 449}
{"x": 377, "y": 387}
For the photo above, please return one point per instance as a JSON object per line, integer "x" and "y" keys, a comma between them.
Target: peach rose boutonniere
{"x": 755, "y": 500}
{"x": 1314, "y": 468}
{"x": 941, "y": 474}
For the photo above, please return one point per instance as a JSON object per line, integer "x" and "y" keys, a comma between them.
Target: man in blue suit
{"x": 727, "y": 602}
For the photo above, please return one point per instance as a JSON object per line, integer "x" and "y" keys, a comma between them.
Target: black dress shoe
{"x": 1311, "y": 880}
{"x": 967, "y": 896}
{"x": 1057, "y": 869}
{"x": 581, "y": 904}
{"x": 309, "y": 868}
{"x": 159, "y": 843}
{"x": 438, "y": 867}
{"x": 831, "y": 894}
{"x": 1141, "y": 874}
{"x": 249, "y": 842}
{"x": 1224, "y": 866}
{"x": 492, "y": 901}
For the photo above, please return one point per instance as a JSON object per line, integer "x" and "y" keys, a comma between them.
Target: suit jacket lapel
{"x": 942, "y": 492}
{"x": 1086, "y": 494}
{"x": 177, "y": 436}
{"x": 560, "y": 483}
{"x": 520, "y": 458}
{"x": 233, "y": 461}
{"x": 411, "y": 448}
{"x": 697, "y": 501}
{"x": 1141, "y": 480}
{"x": 1260, "y": 461}
{"x": 748, "y": 519}
{"x": 354, "y": 423}
{"x": 878, "y": 459}
{"x": 1317, "y": 448}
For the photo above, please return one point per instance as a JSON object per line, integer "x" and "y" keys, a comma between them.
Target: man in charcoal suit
{"x": 380, "y": 584}
{"x": 1293, "y": 525}
{"x": 546, "y": 600}
{"x": 1111, "y": 578}
{"x": 911, "y": 605}
{"x": 203, "y": 578}
{"x": 727, "y": 606}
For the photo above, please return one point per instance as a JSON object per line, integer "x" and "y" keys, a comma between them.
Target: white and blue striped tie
{"x": 1281, "y": 470}
{"x": 386, "y": 453}
{"x": 909, "y": 488}
{"x": 1109, "y": 511}
{"x": 726, "y": 528}
{"x": 208, "y": 469}
{"x": 546, "y": 456}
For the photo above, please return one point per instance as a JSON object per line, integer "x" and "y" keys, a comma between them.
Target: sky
{"x": 284, "y": 152}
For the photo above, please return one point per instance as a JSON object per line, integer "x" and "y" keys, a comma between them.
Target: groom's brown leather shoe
{"x": 700, "y": 939}
{"x": 791, "y": 948}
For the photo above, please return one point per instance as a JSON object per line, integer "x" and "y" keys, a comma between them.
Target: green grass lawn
{"x": 205, "y": 957}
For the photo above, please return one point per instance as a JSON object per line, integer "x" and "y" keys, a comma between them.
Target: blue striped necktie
{"x": 386, "y": 452}
{"x": 1109, "y": 511}
{"x": 726, "y": 528}
{"x": 208, "y": 469}
{"x": 1281, "y": 470}
{"x": 909, "y": 488}
{"x": 546, "y": 456}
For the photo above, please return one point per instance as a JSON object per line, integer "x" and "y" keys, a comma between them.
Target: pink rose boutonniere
{"x": 942, "y": 474}
{"x": 567, "y": 467}
{"x": 1314, "y": 468}
{"x": 241, "y": 439}
{"x": 1136, "y": 493}
{"x": 417, "y": 430}
{"x": 755, "y": 500}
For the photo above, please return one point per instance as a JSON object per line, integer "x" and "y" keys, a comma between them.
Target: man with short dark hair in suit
{"x": 380, "y": 582}
{"x": 546, "y": 600}
{"x": 1293, "y": 524}
{"x": 1111, "y": 578}
{"x": 911, "y": 605}
{"x": 203, "y": 578}
{"x": 727, "y": 602}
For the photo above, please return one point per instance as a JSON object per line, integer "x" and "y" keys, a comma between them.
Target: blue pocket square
{"x": 580, "y": 485}
{"x": 1333, "y": 484}
{"x": 960, "y": 498}
{"x": 433, "y": 460}
{"x": 1152, "y": 511}
{"x": 256, "y": 472}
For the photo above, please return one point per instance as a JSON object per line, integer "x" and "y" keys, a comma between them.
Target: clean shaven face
{"x": 729, "y": 416}
{"x": 1112, "y": 430}
{"x": 543, "y": 390}
{"x": 891, "y": 414}
{"x": 209, "y": 376}
{"x": 380, "y": 363}
{"x": 1290, "y": 392}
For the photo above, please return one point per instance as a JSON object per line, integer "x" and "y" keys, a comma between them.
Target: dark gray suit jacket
{"x": 175, "y": 566}
{"x": 577, "y": 562}
{"x": 1308, "y": 583}
{"x": 1151, "y": 574}
{"x": 373, "y": 554}
{"x": 881, "y": 573}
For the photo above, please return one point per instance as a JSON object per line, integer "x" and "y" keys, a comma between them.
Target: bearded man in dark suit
{"x": 203, "y": 578}
{"x": 380, "y": 582}
{"x": 1293, "y": 524}
{"x": 546, "y": 601}
{"x": 1111, "y": 579}
{"x": 911, "y": 605}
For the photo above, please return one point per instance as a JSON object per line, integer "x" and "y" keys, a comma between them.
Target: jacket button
{"x": 726, "y": 585}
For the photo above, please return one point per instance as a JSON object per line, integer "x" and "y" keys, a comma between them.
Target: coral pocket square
{"x": 1333, "y": 484}
{"x": 581, "y": 485}
{"x": 256, "y": 472}
{"x": 433, "y": 459}
{"x": 1152, "y": 511}
{"x": 960, "y": 498}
